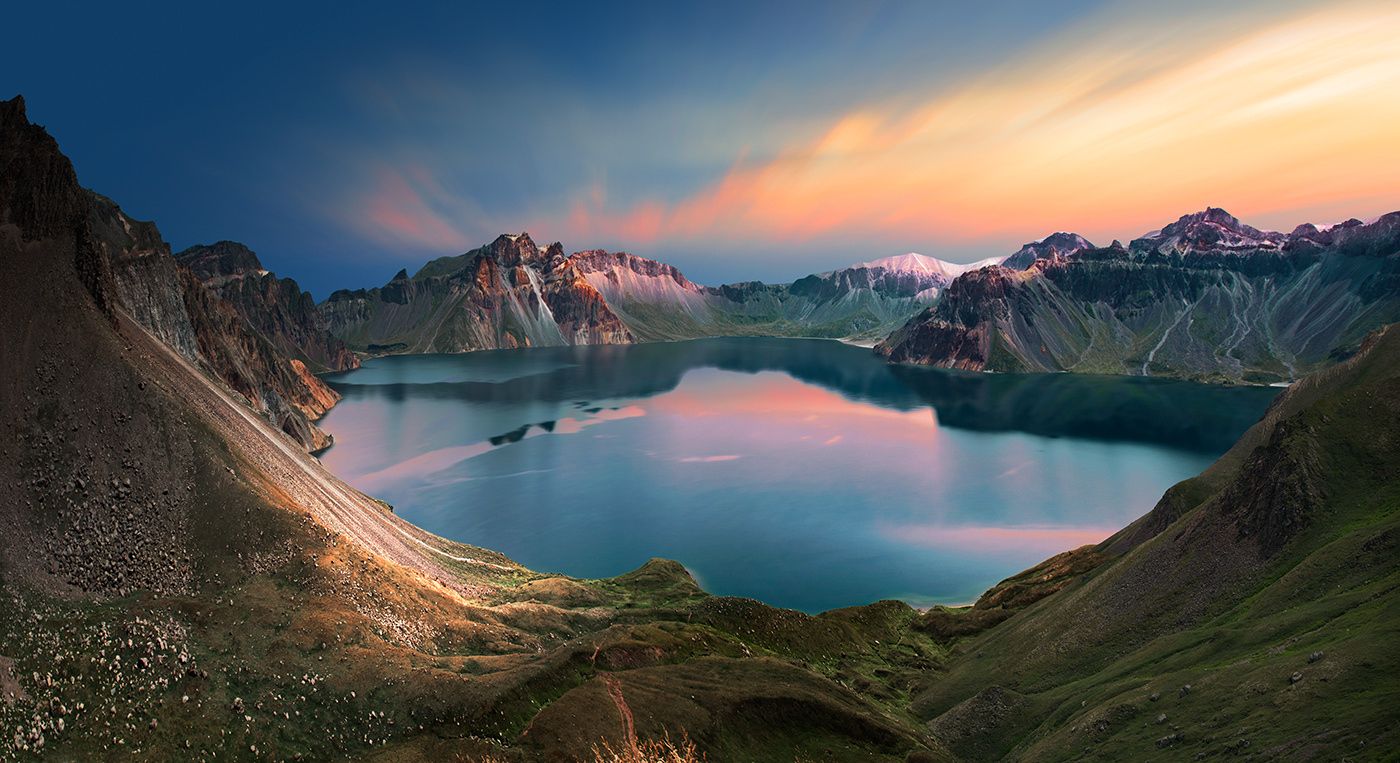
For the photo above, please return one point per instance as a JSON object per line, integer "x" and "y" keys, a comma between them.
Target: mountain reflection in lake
{"x": 805, "y": 473}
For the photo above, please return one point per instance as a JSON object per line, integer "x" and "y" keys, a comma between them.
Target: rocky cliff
{"x": 471, "y": 301}
{"x": 128, "y": 267}
{"x": 277, "y": 307}
{"x": 510, "y": 293}
{"x": 1206, "y": 297}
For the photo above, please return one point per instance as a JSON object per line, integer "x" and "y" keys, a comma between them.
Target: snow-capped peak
{"x": 914, "y": 262}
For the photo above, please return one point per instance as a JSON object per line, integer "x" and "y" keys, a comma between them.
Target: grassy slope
{"x": 1211, "y": 603}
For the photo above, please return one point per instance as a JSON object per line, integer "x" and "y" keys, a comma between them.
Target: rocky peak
{"x": 602, "y": 261}
{"x": 511, "y": 250}
{"x": 553, "y": 255}
{"x": 39, "y": 193}
{"x": 220, "y": 260}
{"x": 1053, "y": 247}
{"x": 402, "y": 275}
{"x": 1210, "y": 230}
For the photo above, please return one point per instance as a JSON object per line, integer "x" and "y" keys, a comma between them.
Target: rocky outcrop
{"x": 594, "y": 296}
{"x": 277, "y": 307}
{"x": 40, "y": 196}
{"x": 1205, "y": 297}
{"x": 1054, "y": 247}
{"x": 510, "y": 293}
{"x": 126, "y": 266}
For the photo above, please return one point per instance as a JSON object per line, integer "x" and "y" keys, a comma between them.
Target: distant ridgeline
{"x": 512, "y": 293}
{"x": 1206, "y": 297}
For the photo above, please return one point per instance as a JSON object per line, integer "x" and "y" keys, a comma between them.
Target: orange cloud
{"x": 1110, "y": 132}
{"x": 404, "y": 207}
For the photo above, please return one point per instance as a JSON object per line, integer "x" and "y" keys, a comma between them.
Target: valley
{"x": 182, "y": 579}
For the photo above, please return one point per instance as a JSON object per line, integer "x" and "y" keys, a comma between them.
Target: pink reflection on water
{"x": 572, "y": 425}
{"x": 1044, "y": 540}
{"x": 773, "y": 395}
{"x": 419, "y": 466}
{"x": 724, "y": 416}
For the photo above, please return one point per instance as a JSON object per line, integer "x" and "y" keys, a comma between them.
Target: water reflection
{"x": 1206, "y": 418}
{"x": 805, "y": 473}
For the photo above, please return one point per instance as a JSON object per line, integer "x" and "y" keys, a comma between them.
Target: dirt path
{"x": 336, "y": 505}
{"x": 629, "y": 727}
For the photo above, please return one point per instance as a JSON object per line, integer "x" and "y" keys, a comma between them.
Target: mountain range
{"x": 1206, "y": 297}
{"x": 181, "y": 579}
{"x": 511, "y": 293}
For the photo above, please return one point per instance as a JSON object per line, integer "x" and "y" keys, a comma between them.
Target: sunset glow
{"x": 864, "y": 130}
{"x": 1111, "y": 129}
{"x": 1289, "y": 122}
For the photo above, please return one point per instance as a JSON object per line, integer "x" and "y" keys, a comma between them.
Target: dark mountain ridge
{"x": 125, "y": 264}
{"x": 1206, "y": 297}
{"x": 277, "y": 307}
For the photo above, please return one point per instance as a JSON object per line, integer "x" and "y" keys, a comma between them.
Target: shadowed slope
{"x": 1269, "y": 584}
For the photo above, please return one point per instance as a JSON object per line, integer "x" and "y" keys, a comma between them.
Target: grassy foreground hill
{"x": 180, "y": 580}
{"x": 1253, "y": 611}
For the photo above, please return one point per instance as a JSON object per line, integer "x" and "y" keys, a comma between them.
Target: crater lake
{"x": 805, "y": 473}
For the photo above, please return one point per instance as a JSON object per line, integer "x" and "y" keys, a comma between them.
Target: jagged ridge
{"x": 450, "y": 305}
{"x": 277, "y": 307}
{"x": 1206, "y": 297}
{"x": 126, "y": 265}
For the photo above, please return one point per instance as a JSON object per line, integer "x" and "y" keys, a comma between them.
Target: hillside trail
{"x": 302, "y": 478}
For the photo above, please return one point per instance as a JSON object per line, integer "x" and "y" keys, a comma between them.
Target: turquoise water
{"x": 805, "y": 473}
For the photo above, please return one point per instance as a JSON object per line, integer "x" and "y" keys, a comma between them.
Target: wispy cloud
{"x": 1101, "y": 130}
{"x": 1109, "y": 125}
{"x": 396, "y": 211}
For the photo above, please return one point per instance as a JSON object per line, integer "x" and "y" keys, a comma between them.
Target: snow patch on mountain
{"x": 913, "y": 262}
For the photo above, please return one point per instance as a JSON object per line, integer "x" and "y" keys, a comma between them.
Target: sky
{"x": 735, "y": 140}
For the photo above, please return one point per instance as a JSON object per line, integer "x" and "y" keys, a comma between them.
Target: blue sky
{"x": 735, "y": 140}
